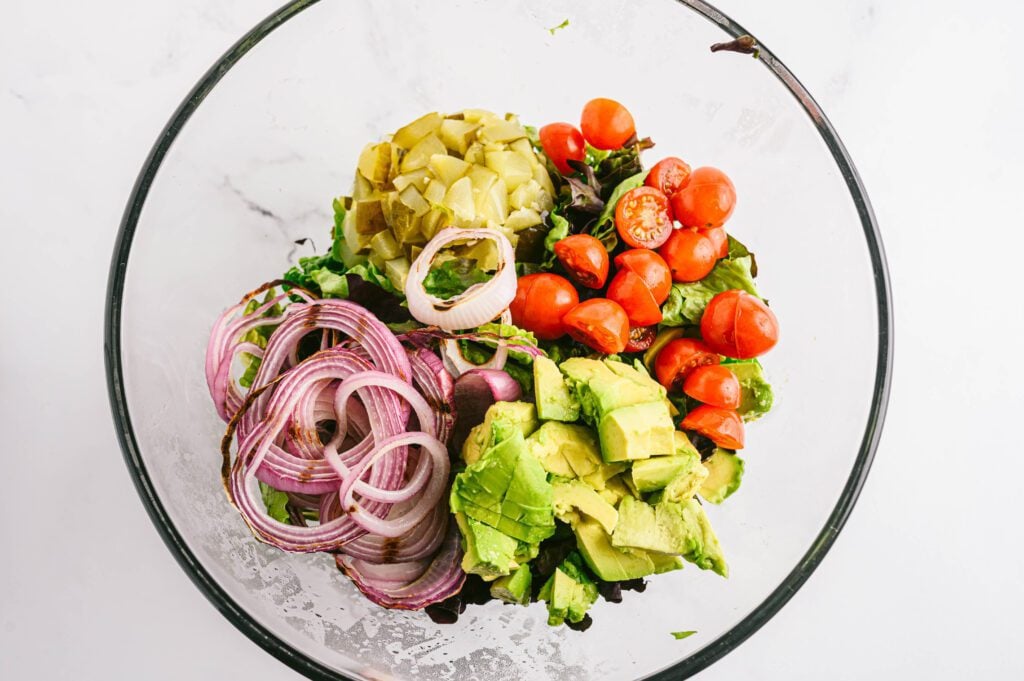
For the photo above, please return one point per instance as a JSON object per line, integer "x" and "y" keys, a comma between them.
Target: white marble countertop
{"x": 926, "y": 579}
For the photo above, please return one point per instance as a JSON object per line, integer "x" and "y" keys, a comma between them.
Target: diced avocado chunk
{"x": 572, "y": 495}
{"x": 554, "y": 401}
{"x": 672, "y": 528}
{"x": 570, "y": 450}
{"x": 683, "y": 445}
{"x": 606, "y": 561}
{"x": 600, "y": 390}
{"x": 486, "y": 551}
{"x": 725, "y": 472}
{"x": 507, "y": 489}
{"x": 666, "y": 563}
{"x": 514, "y": 588}
{"x": 650, "y": 475}
{"x": 638, "y": 431}
{"x": 755, "y": 392}
{"x": 569, "y": 592}
{"x": 614, "y": 489}
{"x": 499, "y": 419}
{"x": 635, "y": 373}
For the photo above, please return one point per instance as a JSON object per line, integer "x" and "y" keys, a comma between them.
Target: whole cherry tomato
{"x": 600, "y": 324}
{"x": 641, "y": 338}
{"x": 642, "y": 217}
{"x": 650, "y": 267}
{"x": 679, "y": 358}
{"x": 738, "y": 324}
{"x": 585, "y": 259}
{"x": 562, "y": 142}
{"x": 719, "y": 239}
{"x": 690, "y": 255}
{"x": 540, "y": 303}
{"x": 632, "y": 293}
{"x": 714, "y": 384}
{"x": 606, "y": 124}
{"x": 706, "y": 201}
{"x": 723, "y": 426}
{"x": 669, "y": 175}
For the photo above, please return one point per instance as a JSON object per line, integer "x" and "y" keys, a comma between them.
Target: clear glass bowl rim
{"x": 313, "y": 669}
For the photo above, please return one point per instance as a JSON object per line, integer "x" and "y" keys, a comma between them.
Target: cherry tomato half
{"x": 600, "y": 324}
{"x": 706, "y": 201}
{"x": 720, "y": 240}
{"x": 714, "y": 384}
{"x": 669, "y": 175}
{"x": 690, "y": 255}
{"x": 606, "y": 124}
{"x": 642, "y": 217}
{"x": 738, "y": 324}
{"x": 641, "y": 338}
{"x": 631, "y": 292}
{"x": 540, "y": 303}
{"x": 562, "y": 142}
{"x": 585, "y": 259}
{"x": 679, "y": 358}
{"x": 723, "y": 426}
{"x": 650, "y": 267}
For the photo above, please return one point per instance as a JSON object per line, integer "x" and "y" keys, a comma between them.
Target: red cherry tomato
{"x": 690, "y": 255}
{"x": 562, "y": 142}
{"x": 631, "y": 292}
{"x": 679, "y": 358}
{"x": 600, "y": 324}
{"x": 706, "y": 201}
{"x": 738, "y": 324}
{"x": 606, "y": 124}
{"x": 714, "y": 384}
{"x": 669, "y": 175}
{"x": 723, "y": 426}
{"x": 540, "y": 303}
{"x": 719, "y": 239}
{"x": 650, "y": 267}
{"x": 641, "y": 338}
{"x": 585, "y": 259}
{"x": 642, "y": 218}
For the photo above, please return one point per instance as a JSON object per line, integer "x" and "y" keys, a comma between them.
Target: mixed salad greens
{"x": 522, "y": 368}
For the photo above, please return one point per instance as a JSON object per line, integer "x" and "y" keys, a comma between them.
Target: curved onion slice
{"x": 478, "y": 304}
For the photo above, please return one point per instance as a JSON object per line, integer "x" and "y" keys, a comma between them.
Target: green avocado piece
{"x": 664, "y": 562}
{"x": 606, "y": 561}
{"x": 507, "y": 488}
{"x": 653, "y": 474}
{"x": 685, "y": 484}
{"x": 551, "y": 393}
{"x": 725, "y": 472}
{"x": 614, "y": 489}
{"x": 569, "y": 592}
{"x": 486, "y": 551}
{"x": 499, "y": 421}
{"x": 636, "y": 373}
{"x": 683, "y": 445}
{"x": 755, "y": 392}
{"x": 671, "y": 528}
{"x": 601, "y": 390}
{"x": 638, "y": 431}
{"x": 514, "y": 588}
{"x": 573, "y": 495}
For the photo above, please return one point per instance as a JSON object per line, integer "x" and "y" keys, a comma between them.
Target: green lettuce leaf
{"x": 686, "y": 302}
{"x": 604, "y": 228}
{"x": 559, "y": 230}
{"x": 453, "y": 277}
{"x": 276, "y": 503}
{"x": 679, "y": 635}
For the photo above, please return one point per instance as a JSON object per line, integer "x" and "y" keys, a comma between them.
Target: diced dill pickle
{"x": 510, "y": 166}
{"x": 417, "y": 178}
{"x": 393, "y": 168}
{"x": 412, "y": 198}
{"x": 369, "y": 216}
{"x": 458, "y": 135}
{"x": 435, "y": 191}
{"x": 434, "y": 221}
{"x": 477, "y": 115}
{"x": 374, "y": 163}
{"x": 361, "y": 188}
{"x": 482, "y": 180}
{"x": 359, "y": 243}
{"x": 474, "y": 154}
{"x": 447, "y": 168}
{"x": 485, "y": 252}
{"x": 404, "y": 223}
{"x": 419, "y": 156}
{"x": 522, "y": 218}
{"x": 501, "y": 131}
{"x": 376, "y": 260}
{"x": 411, "y": 134}
{"x": 540, "y": 173}
{"x": 525, "y": 195}
{"x": 524, "y": 148}
{"x": 397, "y": 270}
{"x": 384, "y": 245}
{"x": 414, "y": 252}
{"x": 348, "y": 256}
{"x": 494, "y": 206}
{"x": 459, "y": 200}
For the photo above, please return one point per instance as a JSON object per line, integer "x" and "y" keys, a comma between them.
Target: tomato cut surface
{"x": 584, "y": 258}
{"x": 679, "y": 358}
{"x": 669, "y": 175}
{"x": 642, "y": 218}
{"x": 600, "y": 324}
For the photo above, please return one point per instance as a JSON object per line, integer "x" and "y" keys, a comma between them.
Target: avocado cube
{"x": 725, "y": 472}
{"x": 569, "y": 592}
{"x": 600, "y": 390}
{"x": 514, "y": 588}
{"x": 486, "y": 552}
{"x": 650, "y": 475}
{"x": 670, "y": 528}
{"x": 606, "y": 561}
{"x": 638, "y": 431}
{"x": 554, "y": 401}
{"x": 755, "y": 392}
{"x": 570, "y": 495}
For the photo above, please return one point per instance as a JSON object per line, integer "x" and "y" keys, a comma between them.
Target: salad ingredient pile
{"x": 521, "y": 370}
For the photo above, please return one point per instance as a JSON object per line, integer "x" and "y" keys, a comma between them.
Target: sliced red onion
{"x": 478, "y": 304}
{"x": 442, "y": 578}
{"x": 475, "y": 392}
{"x": 420, "y": 542}
{"x": 437, "y": 387}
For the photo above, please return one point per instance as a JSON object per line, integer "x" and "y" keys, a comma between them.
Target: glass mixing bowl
{"x": 246, "y": 169}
